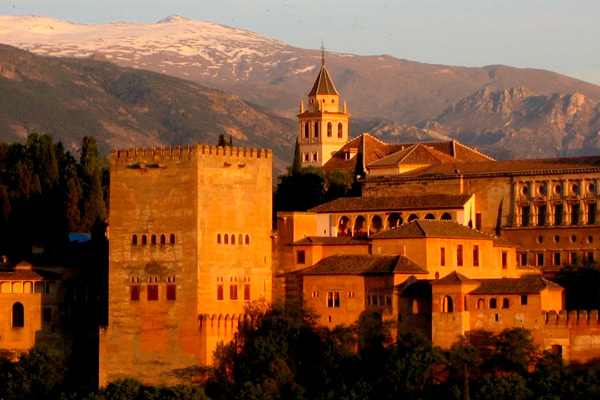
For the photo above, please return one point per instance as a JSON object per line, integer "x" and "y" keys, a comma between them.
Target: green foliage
{"x": 45, "y": 193}
{"x": 579, "y": 280}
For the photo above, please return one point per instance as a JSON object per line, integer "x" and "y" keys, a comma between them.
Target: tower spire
{"x": 322, "y": 54}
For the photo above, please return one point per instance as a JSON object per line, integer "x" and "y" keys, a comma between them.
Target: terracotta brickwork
{"x": 189, "y": 247}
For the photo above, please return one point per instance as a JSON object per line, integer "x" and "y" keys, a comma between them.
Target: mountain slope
{"x": 71, "y": 98}
{"x": 276, "y": 75}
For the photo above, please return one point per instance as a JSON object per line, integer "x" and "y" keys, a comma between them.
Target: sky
{"x": 560, "y": 36}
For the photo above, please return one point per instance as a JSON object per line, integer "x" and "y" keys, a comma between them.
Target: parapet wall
{"x": 166, "y": 154}
{"x": 570, "y": 318}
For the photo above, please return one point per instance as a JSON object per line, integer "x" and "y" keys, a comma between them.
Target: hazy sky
{"x": 561, "y": 36}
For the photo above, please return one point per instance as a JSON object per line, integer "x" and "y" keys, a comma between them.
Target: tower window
{"x": 163, "y": 239}
{"x": 315, "y": 156}
{"x": 172, "y": 239}
{"x": 171, "y": 292}
{"x": 233, "y": 292}
{"x": 306, "y": 157}
{"x": 316, "y": 130}
{"x": 134, "y": 240}
{"x": 152, "y": 292}
{"x": 219, "y": 292}
{"x": 306, "y": 129}
{"x": 18, "y": 315}
{"x": 459, "y": 255}
{"x": 340, "y": 130}
{"x": 329, "y": 129}
{"x": 134, "y": 293}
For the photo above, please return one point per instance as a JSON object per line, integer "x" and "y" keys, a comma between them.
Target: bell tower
{"x": 323, "y": 127}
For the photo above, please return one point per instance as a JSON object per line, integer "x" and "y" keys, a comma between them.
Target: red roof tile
{"x": 365, "y": 264}
{"x": 395, "y": 203}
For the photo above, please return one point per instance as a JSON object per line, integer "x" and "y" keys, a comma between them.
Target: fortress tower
{"x": 323, "y": 127}
{"x": 190, "y": 247}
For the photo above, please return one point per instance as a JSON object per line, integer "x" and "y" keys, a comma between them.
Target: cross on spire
{"x": 322, "y": 54}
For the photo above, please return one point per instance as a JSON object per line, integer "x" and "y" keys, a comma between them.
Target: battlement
{"x": 159, "y": 155}
{"x": 582, "y": 317}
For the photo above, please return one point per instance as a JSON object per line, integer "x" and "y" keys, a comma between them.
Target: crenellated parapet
{"x": 570, "y": 318}
{"x": 160, "y": 156}
{"x": 223, "y": 320}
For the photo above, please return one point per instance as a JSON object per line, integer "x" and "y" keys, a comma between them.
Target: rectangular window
{"x": 573, "y": 259}
{"x": 333, "y": 299}
{"x": 220, "y": 295}
{"x": 525, "y": 211}
{"x": 542, "y": 215}
{"x": 300, "y": 257}
{"x": 522, "y": 257}
{"x": 504, "y": 260}
{"x": 592, "y": 213}
{"x": 233, "y": 292}
{"x": 172, "y": 292}
{"x": 152, "y": 292}
{"x": 246, "y": 292}
{"x": 590, "y": 256}
{"x": 443, "y": 256}
{"x": 574, "y": 214}
{"x": 556, "y": 260}
{"x": 305, "y": 157}
{"x": 539, "y": 259}
{"x": 558, "y": 214}
{"x": 523, "y": 299}
{"x": 314, "y": 157}
{"x": 134, "y": 292}
{"x": 476, "y": 255}
{"x": 47, "y": 314}
{"x": 459, "y": 255}
{"x": 478, "y": 221}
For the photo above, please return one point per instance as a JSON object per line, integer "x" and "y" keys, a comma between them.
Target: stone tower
{"x": 323, "y": 127}
{"x": 189, "y": 248}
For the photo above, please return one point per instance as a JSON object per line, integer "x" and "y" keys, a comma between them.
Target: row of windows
{"x": 306, "y": 157}
{"x": 460, "y": 255}
{"x": 572, "y": 239}
{"x": 233, "y": 292}
{"x": 152, "y": 292}
{"x": 230, "y": 239}
{"x": 543, "y": 218}
{"x": 340, "y": 130}
{"x": 448, "y": 304}
{"x": 152, "y": 279}
{"x": 28, "y": 287}
{"x": 539, "y": 259}
{"x": 362, "y": 227}
{"x": 557, "y": 189}
{"x": 152, "y": 239}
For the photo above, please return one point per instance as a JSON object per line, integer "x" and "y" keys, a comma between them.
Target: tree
{"x": 94, "y": 207}
{"x": 297, "y": 163}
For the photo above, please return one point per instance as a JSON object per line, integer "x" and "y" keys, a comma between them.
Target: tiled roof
{"x": 416, "y": 288}
{"x": 28, "y": 274}
{"x": 500, "y": 168}
{"x": 415, "y": 154}
{"x": 431, "y": 228}
{"x": 452, "y": 278}
{"x": 375, "y": 149}
{"x": 365, "y": 264}
{"x": 333, "y": 240}
{"x": 323, "y": 84}
{"x": 376, "y": 203}
{"x": 525, "y": 285}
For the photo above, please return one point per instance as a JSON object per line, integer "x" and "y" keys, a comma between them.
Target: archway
{"x": 447, "y": 305}
{"x": 376, "y": 224}
{"x": 360, "y": 226}
{"x": 394, "y": 220}
{"x": 344, "y": 227}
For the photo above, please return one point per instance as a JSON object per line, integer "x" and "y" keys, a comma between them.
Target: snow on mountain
{"x": 189, "y": 44}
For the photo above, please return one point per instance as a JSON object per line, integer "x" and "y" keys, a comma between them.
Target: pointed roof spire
{"x": 322, "y": 54}
{"x": 323, "y": 84}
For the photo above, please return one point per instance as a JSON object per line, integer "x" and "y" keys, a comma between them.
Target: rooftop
{"x": 365, "y": 264}
{"x": 375, "y": 203}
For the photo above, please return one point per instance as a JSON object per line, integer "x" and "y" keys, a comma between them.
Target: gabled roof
{"x": 527, "y": 284}
{"x": 395, "y": 203}
{"x": 333, "y": 240}
{"x": 453, "y": 278}
{"x": 415, "y": 154}
{"x": 365, "y": 264}
{"x": 323, "y": 84}
{"x": 28, "y": 274}
{"x": 432, "y": 228}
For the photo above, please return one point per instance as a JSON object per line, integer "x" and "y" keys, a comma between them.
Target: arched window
{"x": 153, "y": 239}
{"x": 172, "y": 238}
{"x": 447, "y": 305}
{"x": 340, "y": 130}
{"x": 412, "y": 217}
{"x": 218, "y": 238}
{"x": 360, "y": 226}
{"x": 446, "y": 217}
{"x": 233, "y": 238}
{"x": 376, "y": 224}
{"x": 144, "y": 239}
{"x": 163, "y": 239}
{"x": 316, "y": 131}
{"x": 429, "y": 216}
{"x": 394, "y": 220}
{"x": 306, "y": 130}
{"x": 415, "y": 306}
{"x": 493, "y": 303}
{"x": 18, "y": 315}
{"x": 240, "y": 239}
{"x": 480, "y": 304}
{"x": 226, "y": 239}
{"x": 329, "y": 129}
{"x": 247, "y": 239}
{"x": 344, "y": 227}
{"x": 505, "y": 303}
{"x": 134, "y": 240}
